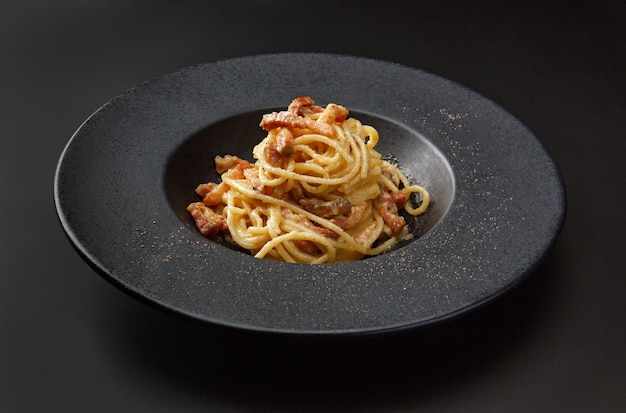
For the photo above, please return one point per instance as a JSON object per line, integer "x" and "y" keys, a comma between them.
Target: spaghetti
{"x": 318, "y": 192}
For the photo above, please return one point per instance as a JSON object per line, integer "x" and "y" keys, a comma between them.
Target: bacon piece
{"x": 277, "y": 151}
{"x": 284, "y": 142}
{"x": 215, "y": 196}
{"x": 238, "y": 170}
{"x": 388, "y": 210}
{"x": 303, "y": 106}
{"x": 365, "y": 234}
{"x": 295, "y": 194}
{"x": 272, "y": 156}
{"x": 333, "y": 113}
{"x": 211, "y": 192}
{"x": 306, "y": 246}
{"x": 399, "y": 199}
{"x": 204, "y": 189}
{"x": 340, "y": 222}
{"x": 354, "y": 217}
{"x": 207, "y": 220}
{"x": 224, "y": 163}
{"x": 291, "y": 120}
{"x": 285, "y": 119}
{"x": 326, "y": 209}
{"x": 252, "y": 175}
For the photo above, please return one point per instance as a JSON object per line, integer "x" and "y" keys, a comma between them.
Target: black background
{"x": 71, "y": 342}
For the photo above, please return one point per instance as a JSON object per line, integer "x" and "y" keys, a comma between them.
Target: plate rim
{"x": 101, "y": 269}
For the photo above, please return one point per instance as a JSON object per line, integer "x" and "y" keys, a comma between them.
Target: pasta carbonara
{"x": 318, "y": 192}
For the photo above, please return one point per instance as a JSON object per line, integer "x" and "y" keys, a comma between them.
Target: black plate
{"x": 125, "y": 177}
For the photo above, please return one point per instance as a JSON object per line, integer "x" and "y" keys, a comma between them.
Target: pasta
{"x": 318, "y": 192}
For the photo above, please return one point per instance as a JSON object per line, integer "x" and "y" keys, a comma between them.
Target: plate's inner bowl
{"x": 193, "y": 163}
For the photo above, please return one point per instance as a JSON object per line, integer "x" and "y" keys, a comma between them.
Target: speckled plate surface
{"x": 126, "y": 175}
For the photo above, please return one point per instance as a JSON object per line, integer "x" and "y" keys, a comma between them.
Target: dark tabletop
{"x": 71, "y": 342}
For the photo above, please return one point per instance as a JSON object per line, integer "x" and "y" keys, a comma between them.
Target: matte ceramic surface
{"x": 128, "y": 172}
